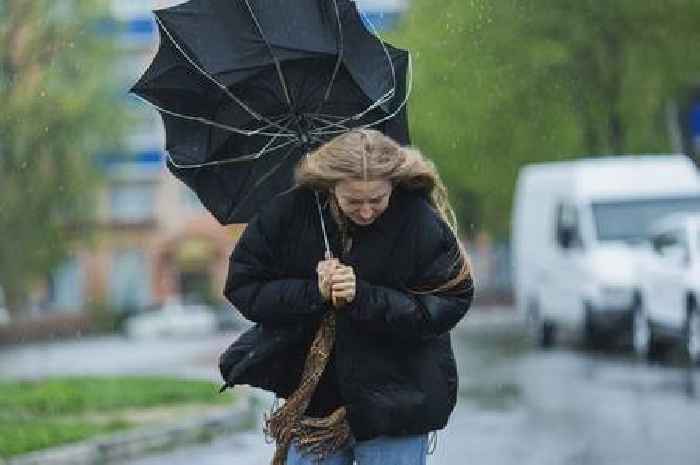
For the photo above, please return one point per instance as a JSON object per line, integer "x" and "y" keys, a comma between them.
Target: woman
{"x": 363, "y": 355}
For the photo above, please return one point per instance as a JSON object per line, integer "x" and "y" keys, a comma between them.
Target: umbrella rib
{"x": 226, "y": 127}
{"x": 340, "y": 123}
{"x": 229, "y": 161}
{"x": 243, "y": 158}
{"x": 324, "y": 116}
{"x": 278, "y": 66}
{"x": 272, "y": 140}
{"x": 313, "y": 137}
{"x": 211, "y": 78}
{"x": 387, "y": 95}
{"x": 272, "y": 171}
{"x": 327, "y": 122}
{"x": 341, "y": 51}
{"x": 386, "y": 52}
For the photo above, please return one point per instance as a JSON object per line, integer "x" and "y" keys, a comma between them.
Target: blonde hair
{"x": 367, "y": 154}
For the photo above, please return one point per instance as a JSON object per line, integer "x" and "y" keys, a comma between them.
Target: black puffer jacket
{"x": 394, "y": 365}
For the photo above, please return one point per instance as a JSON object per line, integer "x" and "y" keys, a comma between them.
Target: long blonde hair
{"x": 367, "y": 154}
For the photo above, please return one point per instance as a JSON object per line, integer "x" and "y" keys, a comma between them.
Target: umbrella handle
{"x": 337, "y": 301}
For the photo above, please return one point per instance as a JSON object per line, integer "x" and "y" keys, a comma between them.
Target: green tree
{"x": 59, "y": 108}
{"x": 501, "y": 84}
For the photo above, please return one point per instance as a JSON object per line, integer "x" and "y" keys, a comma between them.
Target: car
{"x": 576, "y": 233}
{"x": 229, "y": 318}
{"x": 669, "y": 276}
{"x": 173, "y": 319}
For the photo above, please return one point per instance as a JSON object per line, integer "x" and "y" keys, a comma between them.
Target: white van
{"x": 575, "y": 233}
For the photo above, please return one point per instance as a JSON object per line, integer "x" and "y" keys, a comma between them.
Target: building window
{"x": 132, "y": 203}
{"x": 130, "y": 280}
{"x": 66, "y": 286}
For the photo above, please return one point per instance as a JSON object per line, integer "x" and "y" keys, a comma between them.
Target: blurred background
{"x": 568, "y": 134}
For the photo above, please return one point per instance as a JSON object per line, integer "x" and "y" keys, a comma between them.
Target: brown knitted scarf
{"x": 319, "y": 437}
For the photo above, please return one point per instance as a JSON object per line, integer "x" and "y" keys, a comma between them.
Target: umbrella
{"x": 247, "y": 87}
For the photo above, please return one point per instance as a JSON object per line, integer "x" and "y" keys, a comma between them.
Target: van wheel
{"x": 591, "y": 335}
{"x": 641, "y": 332}
{"x": 548, "y": 335}
{"x": 691, "y": 341}
{"x": 541, "y": 332}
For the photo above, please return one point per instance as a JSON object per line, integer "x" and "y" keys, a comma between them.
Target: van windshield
{"x": 629, "y": 220}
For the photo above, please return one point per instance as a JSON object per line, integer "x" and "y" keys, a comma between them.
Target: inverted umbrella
{"x": 245, "y": 88}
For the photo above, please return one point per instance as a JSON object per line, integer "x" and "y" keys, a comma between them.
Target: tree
{"x": 60, "y": 108}
{"x": 500, "y": 84}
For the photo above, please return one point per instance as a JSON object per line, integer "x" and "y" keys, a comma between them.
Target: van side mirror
{"x": 566, "y": 236}
{"x": 567, "y": 233}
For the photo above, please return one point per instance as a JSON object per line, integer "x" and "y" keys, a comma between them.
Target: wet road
{"x": 524, "y": 406}
{"x": 190, "y": 357}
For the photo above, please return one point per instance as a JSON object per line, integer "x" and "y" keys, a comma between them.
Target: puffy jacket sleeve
{"x": 257, "y": 285}
{"x": 415, "y": 315}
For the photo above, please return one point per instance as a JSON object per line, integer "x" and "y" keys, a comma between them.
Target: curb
{"x": 138, "y": 442}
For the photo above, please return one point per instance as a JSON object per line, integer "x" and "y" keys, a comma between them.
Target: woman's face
{"x": 363, "y": 201}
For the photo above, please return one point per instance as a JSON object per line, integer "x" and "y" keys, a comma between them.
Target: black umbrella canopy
{"x": 246, "y": 88}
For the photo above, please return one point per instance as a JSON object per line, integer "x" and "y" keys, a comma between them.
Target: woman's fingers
{"x": 342, "y": 273}
{"x": 343, "y": 280}
{"x": 346, "y": 293}
{"x": 325, "y": 269}
{"x": 326, "y": 266}
{"x": 342, "y": 286}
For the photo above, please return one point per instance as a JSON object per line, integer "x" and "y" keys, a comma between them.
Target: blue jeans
{"x": 384, "y": 450}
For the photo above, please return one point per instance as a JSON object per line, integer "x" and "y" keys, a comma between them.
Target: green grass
{"x": 39, "y": 414}
{"x": 30, "y": 434}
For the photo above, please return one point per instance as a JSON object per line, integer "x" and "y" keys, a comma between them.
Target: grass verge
{"x": 38, "y": 414}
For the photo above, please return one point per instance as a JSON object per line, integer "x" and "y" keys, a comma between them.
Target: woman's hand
{"x": 343, "y": 284}
{"x": 325, "y": 270}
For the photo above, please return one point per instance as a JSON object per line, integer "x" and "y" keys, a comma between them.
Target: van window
{"x": 567, "y": 232}
{"x": 629, "y": 220}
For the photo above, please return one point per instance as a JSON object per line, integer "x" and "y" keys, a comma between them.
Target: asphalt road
{"x": 519, "y": 405}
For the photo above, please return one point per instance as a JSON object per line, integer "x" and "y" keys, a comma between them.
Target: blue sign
{"x": 380, "y": 21}
{"x": 694, "y": 119}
